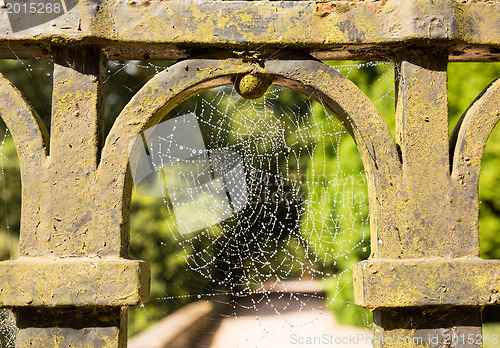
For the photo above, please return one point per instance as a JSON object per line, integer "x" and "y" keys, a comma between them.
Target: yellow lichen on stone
{"x": 253, "y": 86}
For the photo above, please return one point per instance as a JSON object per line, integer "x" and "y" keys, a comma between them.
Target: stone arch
{"x": 300, "y": 73}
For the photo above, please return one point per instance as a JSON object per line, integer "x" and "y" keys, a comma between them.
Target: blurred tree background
{"x": 174, "y": 284}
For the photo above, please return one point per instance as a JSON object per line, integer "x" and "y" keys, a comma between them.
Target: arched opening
{"x": 267, "y": 203}
{"x": 466, "y": 81}
{"x": 308, "y": 220}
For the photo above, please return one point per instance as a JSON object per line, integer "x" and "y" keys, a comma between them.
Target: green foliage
{"x": 10, "y": 204}
{"x": 123, "y": 80}
{"x": 345, "y": 239}
{"x": 465, "y": 82}
{"x": 491, "y": 335}
{"x": 489, "y": 198}
{"x": 34, "y": 79}
{"x": 171, "y": 277}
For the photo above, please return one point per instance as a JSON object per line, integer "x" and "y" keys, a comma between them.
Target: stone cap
{"x": 408, "y": 283}
{"x": 43, "y": 281}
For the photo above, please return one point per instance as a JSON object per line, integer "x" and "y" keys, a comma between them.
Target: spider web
{"x": 272, "y": 145}
{"x": 305, "y": 221}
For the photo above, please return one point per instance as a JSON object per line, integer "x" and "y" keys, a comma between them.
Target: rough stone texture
{"x": 426, "y": 214}
{"x": 335, "y": 29}
{"x": 436, "y": 326}
{"x": 31, "y": 281}
{"x": 452, "y": 282}
{"x": 82, "y": 327}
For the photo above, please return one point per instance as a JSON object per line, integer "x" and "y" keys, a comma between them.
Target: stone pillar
{"x": 73, "y": 281}
{"x": 424, "y": 281}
